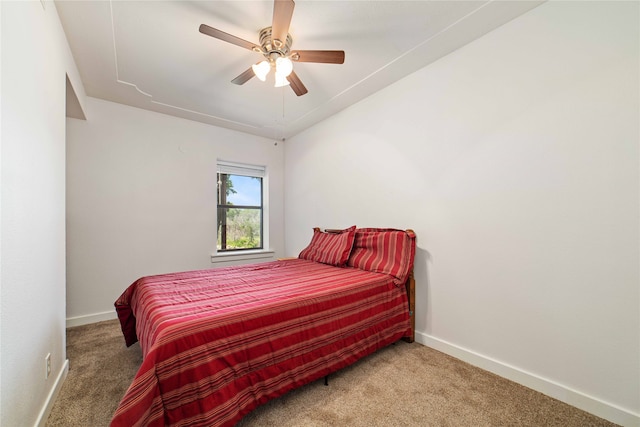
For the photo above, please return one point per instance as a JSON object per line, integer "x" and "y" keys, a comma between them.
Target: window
{"x": 240, "y": 206}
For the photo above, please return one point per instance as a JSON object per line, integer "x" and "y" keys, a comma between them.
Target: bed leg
{"x": 411, "y": 296}
{"x": 326, "y": 380}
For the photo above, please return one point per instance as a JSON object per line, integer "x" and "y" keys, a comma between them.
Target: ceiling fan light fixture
{"x": 284, "y": 66}
{"x": 281, "y": 79}
{"x": 261, "y": 70}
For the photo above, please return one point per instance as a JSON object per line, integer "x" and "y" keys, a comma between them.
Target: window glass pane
{"x": 241, "y": 230}
{"x": 245, "y": 190}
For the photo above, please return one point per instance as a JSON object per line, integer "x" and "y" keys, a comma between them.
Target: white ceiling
{"x": 150, "y": 54}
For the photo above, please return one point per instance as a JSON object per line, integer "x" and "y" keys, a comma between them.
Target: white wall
{"x": 515, "y": 159}
{"x": 35, "y": 61}
{"x": 141, "y": 199}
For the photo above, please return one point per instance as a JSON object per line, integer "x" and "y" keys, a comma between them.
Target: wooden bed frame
{"x": 411, "y": 296}
{"x": 410, "y": 286}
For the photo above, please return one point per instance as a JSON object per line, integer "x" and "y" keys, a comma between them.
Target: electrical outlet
{"x": 47, "y": 361}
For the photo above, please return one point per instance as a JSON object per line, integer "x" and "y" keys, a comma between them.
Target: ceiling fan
{"x": 275, "y": 46}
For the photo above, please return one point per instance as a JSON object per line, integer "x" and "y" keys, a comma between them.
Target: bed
{"x": 217, "y": 343}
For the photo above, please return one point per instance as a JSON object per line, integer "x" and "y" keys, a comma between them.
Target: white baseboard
{"x": 53, "y": 394}
{"x": 91, "y": 318}
{"x": 551, "y": 388}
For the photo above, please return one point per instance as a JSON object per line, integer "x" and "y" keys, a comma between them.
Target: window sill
{"x": 242, "y": 255}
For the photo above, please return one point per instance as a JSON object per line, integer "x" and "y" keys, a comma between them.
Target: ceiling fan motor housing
{"x": 273, "y": 49}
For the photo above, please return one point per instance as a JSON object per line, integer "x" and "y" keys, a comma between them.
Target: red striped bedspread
{"x": 217, "y": 343}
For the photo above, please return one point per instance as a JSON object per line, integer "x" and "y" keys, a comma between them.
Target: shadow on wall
{"x": 423, "y": 302}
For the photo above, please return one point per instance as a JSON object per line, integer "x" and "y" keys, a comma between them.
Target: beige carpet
{"x": 401, "y": 385}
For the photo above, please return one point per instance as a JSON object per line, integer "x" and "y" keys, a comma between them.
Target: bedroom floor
{"x": 401, "y": 385}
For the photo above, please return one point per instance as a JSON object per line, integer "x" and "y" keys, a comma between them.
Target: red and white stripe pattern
{"x": 330, "y": 248}
{"x": 217, "y": 343}
{"x": 384, "y": 250}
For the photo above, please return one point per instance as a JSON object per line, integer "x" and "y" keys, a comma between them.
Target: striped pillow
{"x": 330, "y": 248}
{"x": 384, "y": 250}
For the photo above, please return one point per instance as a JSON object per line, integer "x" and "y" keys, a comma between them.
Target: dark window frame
{"x": 223, "y": 207}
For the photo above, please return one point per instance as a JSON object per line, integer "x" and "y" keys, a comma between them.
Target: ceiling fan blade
{"x": 296, "y": 84}
{"x": 322, "y": 56}
{"x": 282, "y": 13}
{"x": 221, "y": 35}
{"x": 244, "y": 77}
